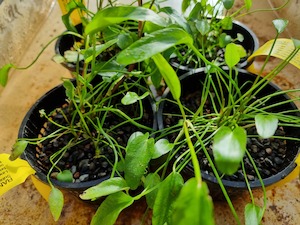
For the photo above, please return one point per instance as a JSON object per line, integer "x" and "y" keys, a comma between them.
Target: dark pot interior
{"x": 190, "y": 82}
{"x": 33, "y": 123}
{"x": 250, "y": 44}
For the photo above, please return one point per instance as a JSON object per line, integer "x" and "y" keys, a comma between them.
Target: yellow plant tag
{"x": 282, "y": 48}
{"x": 12, "y": 173}
{"x": 75, "y": 16}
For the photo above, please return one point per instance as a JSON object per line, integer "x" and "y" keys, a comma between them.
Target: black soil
{"x": 269, "y": 155}
{"x": 80, "y": 159}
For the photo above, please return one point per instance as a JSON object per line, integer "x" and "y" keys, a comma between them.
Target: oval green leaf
{"x": 228, "y": 4}
{"x": 232, "y": 55}
{"x": 161, "y": 147}
{"x": 253, "y": 214}
{"x": 132, "y": 97}
{"x": 139, "y": 151}
{"x": 266, "y": 125}
{"x": 56, "y": 202}
{"x": 229, "y": 148}
{"x": 65, "y": 176}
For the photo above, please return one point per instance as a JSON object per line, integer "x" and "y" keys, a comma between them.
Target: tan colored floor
{"x": 24, "y": 205}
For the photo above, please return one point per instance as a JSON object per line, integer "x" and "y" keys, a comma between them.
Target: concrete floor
{"x": 25, "y": 206}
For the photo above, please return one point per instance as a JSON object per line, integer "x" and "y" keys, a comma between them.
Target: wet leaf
{"x": 139, "y": 151}
{"x": 151, "y": 181}
{"x": 167, "y": 193}
{"x": 266, "y": 125}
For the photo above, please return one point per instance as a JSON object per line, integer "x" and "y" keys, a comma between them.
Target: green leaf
{"x": 151, "y": 181}
{"x": 118, "y": 14}
{"x": 110, "y": 208}
{"x": 229, "y": 148}
{"x": 253, "y": 214}
{"x": 228, "y": 4}
{"x": 65, "y": 176}
{"x": 73, "y": 56}
{"x": 167, "y": 193}
{"x": 17, "y": 149}
{"x": 224, "y": 39}
{"x": 161, "y": 147}
{"x": 177, "y": 18}
{"x": 107, "y": 187}
{"x": 232, "y": 55}
{"x": 241, "y": 51}
{"x": 203, "y": 26}
{"x": 169, "y": 75}
{"x": 248, "y": 4}
{"x": 56, "y": 202}
{"x": 266, "y": 125}
{"x": 240, "y": 37}
{"x": 124, "y": 40}
{"x": 280, "y": 25}
{"x": 132, "y": 97}
{"x": 139, "y": 151}
{"x": 152, "y": 44}
{"x": 185, "y": 4}
{"x": 4, "y": 74}
{"x": 70, "y": 89}
{"x": 227, "y": 23}
{"x": 194, "y": 205}
{"x": 296, "y": 42}
{"x": 198, "y": 8}
{"x": 92, "y": 52}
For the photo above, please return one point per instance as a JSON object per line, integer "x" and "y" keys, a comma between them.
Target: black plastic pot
{"x": 250, "y": 44}
{"x": 31, "y": 128}
{"x": 191, "y": 82}
{"x": 65, "y": 43}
